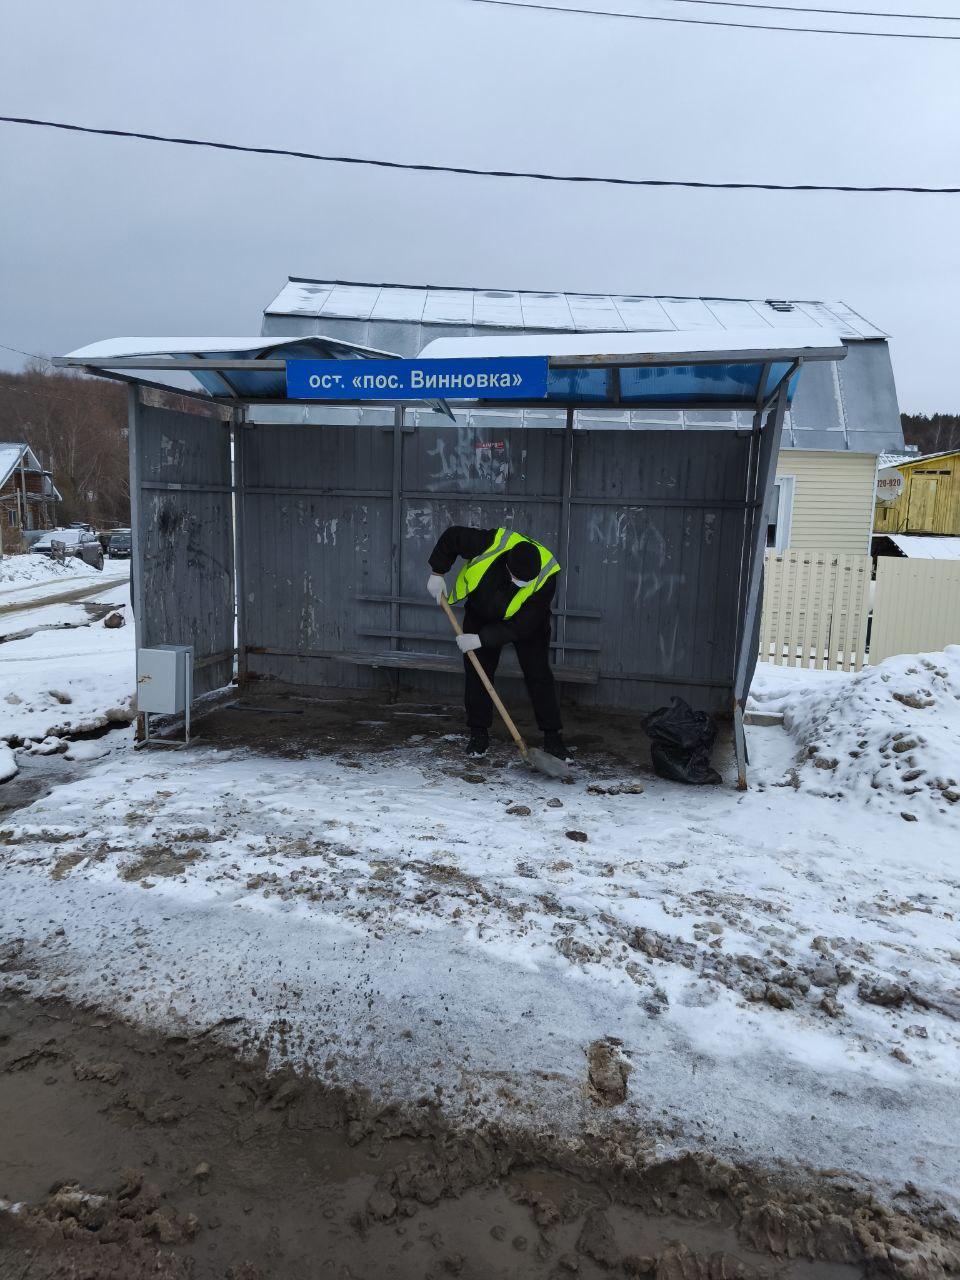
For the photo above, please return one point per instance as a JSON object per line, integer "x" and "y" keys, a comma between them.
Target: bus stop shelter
{"x": 287, "y": 540}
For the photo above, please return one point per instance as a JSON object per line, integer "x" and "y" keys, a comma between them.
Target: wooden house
{"x": 28, "y": 496}
{"x": 929, "y": 500}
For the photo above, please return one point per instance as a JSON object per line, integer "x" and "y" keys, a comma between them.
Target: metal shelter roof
{"x": 735, "y": 370}
{"x": 218, "y": 368}
{"x": 530, "y": 311}
{"x": 846, "y": 407}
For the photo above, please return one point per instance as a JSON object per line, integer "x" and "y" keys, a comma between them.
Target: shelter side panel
{"x": 186, "y": 539}
{"x": 317, "y": 534}
{"x": 655, "y": 549}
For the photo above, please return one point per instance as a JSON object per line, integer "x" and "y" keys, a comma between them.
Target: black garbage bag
{"x": 681, "y": 739}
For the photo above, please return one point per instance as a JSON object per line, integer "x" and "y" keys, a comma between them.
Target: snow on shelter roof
{"x": 521, "y": 310}
{"x": 626, "y": 348}
{"x": 165, "y": 354}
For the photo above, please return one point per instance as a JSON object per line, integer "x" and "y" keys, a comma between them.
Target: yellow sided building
{"x": 929, "y": 501}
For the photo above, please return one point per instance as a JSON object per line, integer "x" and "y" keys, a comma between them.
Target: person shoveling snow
{"x": 507, "y": 586}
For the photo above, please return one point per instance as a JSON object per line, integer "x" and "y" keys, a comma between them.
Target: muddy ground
{"x": 271, "y": 721}
{"x": 124, "y": 1154}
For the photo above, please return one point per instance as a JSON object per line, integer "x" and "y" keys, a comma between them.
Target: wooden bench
{"x": 399, "y": 660}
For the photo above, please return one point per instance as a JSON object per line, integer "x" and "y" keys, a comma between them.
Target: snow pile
{"x": 17, "y": 572}
{"x": 8, "y": 766}
{"x": 55, "y": 684}
{"x": 887, "y": 737}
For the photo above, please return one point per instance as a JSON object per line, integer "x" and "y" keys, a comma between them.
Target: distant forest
{"x": 77, "y": 426}
{"x": 933, "y": 433}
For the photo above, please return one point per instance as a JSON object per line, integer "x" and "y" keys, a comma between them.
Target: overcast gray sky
{"x": 102, "y": 237}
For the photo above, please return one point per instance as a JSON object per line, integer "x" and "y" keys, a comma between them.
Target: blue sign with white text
{"x": 522, "y": 378}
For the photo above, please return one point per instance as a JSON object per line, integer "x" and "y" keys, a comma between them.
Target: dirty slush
{"x": 139, "y": 1155}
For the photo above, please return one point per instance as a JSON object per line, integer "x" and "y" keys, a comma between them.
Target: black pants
{"x": 533, "y": 654}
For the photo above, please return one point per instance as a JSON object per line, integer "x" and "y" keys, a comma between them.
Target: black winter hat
{"x": 523, "y": 561}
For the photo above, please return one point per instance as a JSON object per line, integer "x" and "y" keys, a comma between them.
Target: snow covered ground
{"x": 62, "y": 672}
{"x": 775, "y": 974}
{"x": 27, "y": 575}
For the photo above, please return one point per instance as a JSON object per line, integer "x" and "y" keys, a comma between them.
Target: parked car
{"x": 75, "y": 542}
{"x": 120, "y": 545}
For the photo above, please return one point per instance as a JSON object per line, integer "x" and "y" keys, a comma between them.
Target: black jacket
{"x": 486, "y": 605}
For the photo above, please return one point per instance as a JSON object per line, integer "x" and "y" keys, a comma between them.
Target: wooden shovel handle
{"x": 495, "y": 697}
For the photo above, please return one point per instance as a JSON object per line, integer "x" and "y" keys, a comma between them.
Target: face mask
{"x": 517, "y": 582}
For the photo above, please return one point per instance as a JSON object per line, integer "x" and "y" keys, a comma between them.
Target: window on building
{"x": 780, "y": 514}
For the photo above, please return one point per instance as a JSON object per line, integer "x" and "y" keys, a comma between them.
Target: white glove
{"x": 436, "y": 586}
{"x": 467, "y": 641}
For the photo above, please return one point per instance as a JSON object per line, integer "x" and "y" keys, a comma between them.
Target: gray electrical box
{"x": 165, "y": 682}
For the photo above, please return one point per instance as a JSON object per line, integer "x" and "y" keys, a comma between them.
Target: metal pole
{"x": 762, "y": 493}
{"x": 238, "y": 433}
{"x": 566, "y": 492}
{"x": 397, "y": 502}
{"x": 136, "y": 538}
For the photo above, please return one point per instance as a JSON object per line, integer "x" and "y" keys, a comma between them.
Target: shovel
{"x": 532, "y": 756}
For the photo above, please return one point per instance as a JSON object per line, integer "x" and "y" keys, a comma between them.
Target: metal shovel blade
{"x": 548, "y": 764}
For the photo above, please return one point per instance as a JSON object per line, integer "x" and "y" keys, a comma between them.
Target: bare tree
{"x": 78, "y": 427}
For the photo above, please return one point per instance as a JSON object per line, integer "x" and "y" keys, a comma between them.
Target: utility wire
{"x": 713, "y": 22}
{"x": 840, "y": 13}
{"x": 32, "y": 354}
{"x": 472, "y": 172}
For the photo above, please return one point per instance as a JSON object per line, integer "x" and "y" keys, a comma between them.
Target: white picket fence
{"x": 816, "y": 608}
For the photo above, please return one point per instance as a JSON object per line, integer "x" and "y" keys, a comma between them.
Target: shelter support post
{"x": 238, "y": 432}
{"x": 566, "y": 490}
{"x": 136, "y": 533}
{"x": 759, "y": 495}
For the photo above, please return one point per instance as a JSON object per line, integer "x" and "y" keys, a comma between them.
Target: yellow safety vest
{"x": 469, "y": 576}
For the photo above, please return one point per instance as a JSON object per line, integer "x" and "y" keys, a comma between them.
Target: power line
{"x": 476, "y": 173}
{"x": 713, "y": 22}
{"x": 32, "y": 354}
{"x": 840, "y": 13}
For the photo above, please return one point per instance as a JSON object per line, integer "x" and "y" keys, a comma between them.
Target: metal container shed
{"x": 313, "y": 523}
